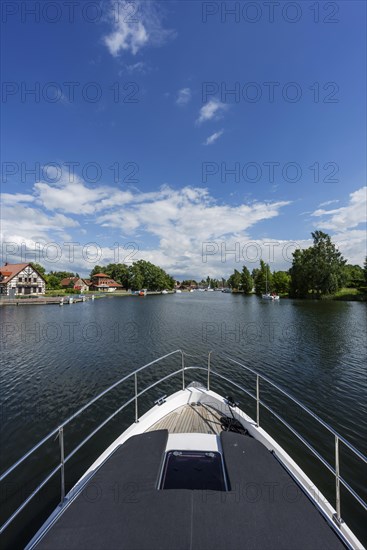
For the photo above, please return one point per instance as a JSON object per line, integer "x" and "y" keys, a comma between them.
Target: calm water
{"x": 54, "y": 359}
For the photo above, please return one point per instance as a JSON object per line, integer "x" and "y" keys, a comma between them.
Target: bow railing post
{"x": 257, "y": 400}
{"x": 183, "y": 369}
{"x": 136, "y": 397}
{"x": 62, "y": 463}
{"x": 208, "y": 383}
{"x": 337, "y": 516}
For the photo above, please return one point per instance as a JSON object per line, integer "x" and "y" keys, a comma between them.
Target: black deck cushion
{"x": 121, "y": 508}
{"x": 265, "y": 508}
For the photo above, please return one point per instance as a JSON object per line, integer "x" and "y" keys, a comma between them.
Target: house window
{"x": 34, "y": 279}
{"x": 20, "y": 279}
{"x": 39, "y": 289}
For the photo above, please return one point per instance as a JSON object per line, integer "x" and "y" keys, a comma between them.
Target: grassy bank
{"x": 348, "y": 294}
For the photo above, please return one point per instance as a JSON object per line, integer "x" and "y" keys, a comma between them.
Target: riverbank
{"x": 348, "y": 295}
{"x": 63, "y": 297}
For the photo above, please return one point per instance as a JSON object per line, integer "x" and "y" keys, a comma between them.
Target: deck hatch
{"x": 200, "y": 470}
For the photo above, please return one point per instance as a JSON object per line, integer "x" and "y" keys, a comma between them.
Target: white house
{"x": 21, "y": 279}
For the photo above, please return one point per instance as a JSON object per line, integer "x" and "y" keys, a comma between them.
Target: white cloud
{"x": 135, "y": 25}
{"x": 345, "y": 217}
{"x": 139, "y": 67}
{"x": 211, "y": 110}
{"x": 182, "y": 220}
{"x": 352, "y": 244}
{"x": 326, "y": 203}
{"x": 169, "y": 226}
{"x": 7, "y": 199}
{"x": 72, "y": 196}
{"x": 176, "y": 222}
{"x": 183, "y": 96}
{"x": 213, "y": 138}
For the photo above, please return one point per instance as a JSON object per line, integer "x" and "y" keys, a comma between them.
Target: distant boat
{"x": 164, "y": 292}
{"x": 210, "y": 289}
{"x": 178, "y": 291}
{"x": 143, "y": 292}
{"x": 227, "y": 290}
{"x": 267, "y": 295}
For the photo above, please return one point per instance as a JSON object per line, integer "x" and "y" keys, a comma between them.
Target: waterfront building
{"x": 21, "y": 279}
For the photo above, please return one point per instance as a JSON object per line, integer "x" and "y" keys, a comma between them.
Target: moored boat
{"x": 269, "y": 296}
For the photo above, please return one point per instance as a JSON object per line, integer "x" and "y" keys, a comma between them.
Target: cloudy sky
{"x": 198, "y": 135}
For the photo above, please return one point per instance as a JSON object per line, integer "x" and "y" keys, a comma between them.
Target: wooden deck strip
{"x": 200, "y": 418}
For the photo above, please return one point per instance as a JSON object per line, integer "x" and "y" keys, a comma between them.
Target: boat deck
{"x": 191, "y": 418}
{"x": 121, "y": 508}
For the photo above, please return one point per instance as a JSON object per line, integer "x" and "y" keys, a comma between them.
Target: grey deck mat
{"x": 120, "y": 508}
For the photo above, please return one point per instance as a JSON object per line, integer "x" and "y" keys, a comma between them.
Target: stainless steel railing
{"x": 338, "y": 438}
{"x": 59, "y": 431}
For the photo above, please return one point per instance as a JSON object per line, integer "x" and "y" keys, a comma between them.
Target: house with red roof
{"x": 103, "y": 283}
{"x": 76, "y": 283}
{"x": 20, "y": 280}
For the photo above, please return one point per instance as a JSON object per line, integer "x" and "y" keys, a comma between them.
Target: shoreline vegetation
{"x": 317, "y": 273}
{"x": 344, "y": 294}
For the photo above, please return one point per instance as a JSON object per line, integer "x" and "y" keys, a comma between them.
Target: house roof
{"x": 68, "y": 280}
{"x": 100, "y": 275}
{"x": 109, "y": 283}
{"x": 8, "y": 271}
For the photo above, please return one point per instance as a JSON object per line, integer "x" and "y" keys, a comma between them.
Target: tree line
{"x": 316, "y": 271}
{"x": 140, "y": 274}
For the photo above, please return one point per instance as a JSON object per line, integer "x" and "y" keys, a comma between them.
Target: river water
{"x": 55, "y": 359}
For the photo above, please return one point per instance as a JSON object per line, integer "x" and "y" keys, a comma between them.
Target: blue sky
{"x": 137, "y": 145}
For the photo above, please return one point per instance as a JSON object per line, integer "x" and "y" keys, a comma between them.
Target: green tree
{"x": 143, "y": 274}
{"x": 318, "y": 269}
{"x": 365, "y": 270}
{"x": 119, "y": 273}
{"x": 189, "y": 282}
{"x": 136, "y": 279}
{"x": 54, "y": 276}
{"x": 235, "y": 280}
{"x": 53, "y": 282}
{"x": 354, "y": 276}
{"x": 281, "y": 282}
{"x": 263, "y": 279}
{"x": 38, "y": 267}
{"x": 247, "y": 281}
{"x": 97, "y": 269}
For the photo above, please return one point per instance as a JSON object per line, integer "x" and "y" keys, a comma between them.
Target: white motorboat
{"x": 178, "y": 291}
{"x": 164, "y": 292}
{"x": 195, "y": 471}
